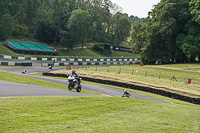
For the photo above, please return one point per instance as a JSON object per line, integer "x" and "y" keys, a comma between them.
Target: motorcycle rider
{"x": 75, "y": 75}
{"x": 126, "y": 94}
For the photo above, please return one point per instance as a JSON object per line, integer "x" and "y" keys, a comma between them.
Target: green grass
{"x": 95, "y": 114}
{"x": 120, "y": 54}
{"x": 5, "y": 50}
{"x": 77, "y": 52}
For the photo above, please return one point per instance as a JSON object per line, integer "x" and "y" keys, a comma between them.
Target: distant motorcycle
{"x": 73, "y": 83}
{"x": 126, "y": 94}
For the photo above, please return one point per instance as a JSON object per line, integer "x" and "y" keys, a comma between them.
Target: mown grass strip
{"x": 95, "y": 114}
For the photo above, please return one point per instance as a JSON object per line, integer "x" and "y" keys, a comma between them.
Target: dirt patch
{"x": 196, "y": 69}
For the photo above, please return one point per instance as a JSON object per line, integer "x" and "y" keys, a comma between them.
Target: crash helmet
{"x": 73, "y": 71}
{"x": 125, "y": 90}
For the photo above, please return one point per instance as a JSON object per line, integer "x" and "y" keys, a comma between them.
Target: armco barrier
{"x": 72, "y": 59}
{"x": 136, "y": 87}
{"x": 88, "y": 63}
{"x": 3, "y": 63}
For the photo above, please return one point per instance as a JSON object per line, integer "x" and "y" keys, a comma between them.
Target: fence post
{"x": 108, "y": 69}
{"x": 146, "y": 74}
{"x": 119, "y": 70}
{"x": 132, "y": 71}
{"x": 96, "y": 68}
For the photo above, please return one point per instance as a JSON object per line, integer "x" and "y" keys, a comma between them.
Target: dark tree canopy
{"x": 171, "y": 33}
{"x": 62, "y": 21}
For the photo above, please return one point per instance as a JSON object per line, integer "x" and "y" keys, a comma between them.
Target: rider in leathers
{"x": 76, "y": 76}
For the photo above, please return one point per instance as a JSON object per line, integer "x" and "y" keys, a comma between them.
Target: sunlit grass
{"x": 95, "y": 114}
{"x": 147, "y": 76}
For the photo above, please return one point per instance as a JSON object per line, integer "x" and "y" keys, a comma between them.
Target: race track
{"x": 8, "y": 89}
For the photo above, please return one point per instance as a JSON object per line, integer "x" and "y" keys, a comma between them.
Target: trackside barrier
{"x": 16, "y": 63}
{"x": 71, "y": 59}
{"x": 136, "y": 87}
{"x": 88, "y": 63}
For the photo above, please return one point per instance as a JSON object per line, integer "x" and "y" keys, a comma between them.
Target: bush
{"x": 98, "y": 48}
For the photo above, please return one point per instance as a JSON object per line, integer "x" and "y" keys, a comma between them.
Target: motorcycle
{"x": 126, "y": 95}
{"x": 73, "y": 83}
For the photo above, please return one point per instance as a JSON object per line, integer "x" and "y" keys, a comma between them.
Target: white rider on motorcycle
{"x": 75, "y": 75}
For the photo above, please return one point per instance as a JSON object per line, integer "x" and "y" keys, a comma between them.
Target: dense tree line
{"x": 64, "y": 21}
{"x": 171, "y": 33}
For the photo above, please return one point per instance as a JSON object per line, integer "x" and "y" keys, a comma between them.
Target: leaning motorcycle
{"x": 74, "y": 84}
{"x": 126, "y": 95}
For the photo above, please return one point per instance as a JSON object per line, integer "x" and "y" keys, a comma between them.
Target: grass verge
{"x": 95, "y": 114}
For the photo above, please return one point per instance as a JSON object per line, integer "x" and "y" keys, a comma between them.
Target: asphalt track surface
{"x": 8, "y": 89}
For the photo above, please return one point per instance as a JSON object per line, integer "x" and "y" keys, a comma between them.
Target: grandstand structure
{"x": 30, "y": 48}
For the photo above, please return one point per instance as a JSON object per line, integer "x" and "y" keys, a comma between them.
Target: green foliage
{"x": 64, "y": 22}
{"x": 194, "y": 10}
{"x": 137, "y": 37}
{"x": 98, "y": 48}
{"x": 122, "y": 27}
{"x": 171, "y": 33}
{"x": 45, "y": 32}
{"x": 7, "y": 26}
{"x": 79, "y": 25}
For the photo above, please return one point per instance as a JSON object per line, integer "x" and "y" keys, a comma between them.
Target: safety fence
{"x": 69, "y": 59}
{"x": 3, "y": 63}
{"x": 87, "y": 63}
{"x": 169, "y": 75}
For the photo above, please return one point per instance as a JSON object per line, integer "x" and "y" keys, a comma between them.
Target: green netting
{"x": 31, "y": 46}
{"x": 45, "y": 48}
{"x": 17, "y": 45}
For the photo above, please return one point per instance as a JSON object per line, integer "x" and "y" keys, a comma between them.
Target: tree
{"x": 189, "y": 41}
{"x": 137, "y": 38}
{"x": 79, "y": 25}
{"x": 122, "y": 27}
{"x": 165, "y": 22}
{"x": 45, "y": 31}
{"x": 7, "y": 26}
{"x": 195, "y": 10}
